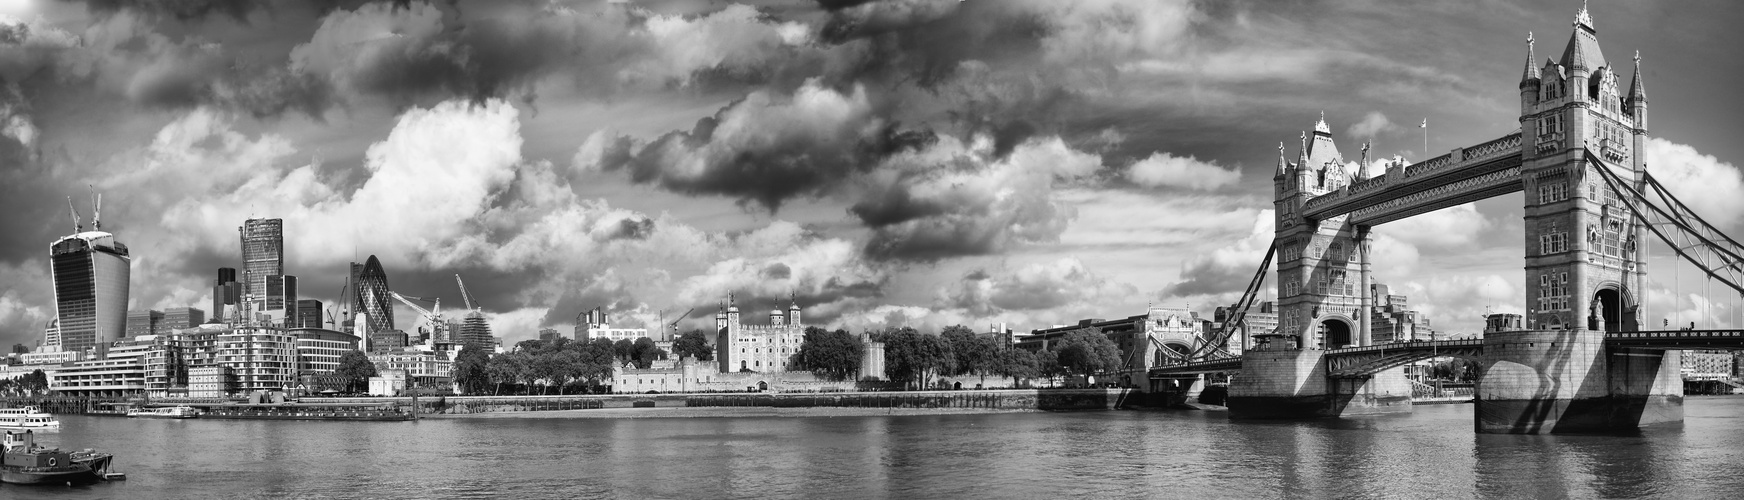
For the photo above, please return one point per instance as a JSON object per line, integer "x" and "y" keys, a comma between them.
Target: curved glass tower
{"x": 90, "y": 271}
{"x": 371, "y": 292}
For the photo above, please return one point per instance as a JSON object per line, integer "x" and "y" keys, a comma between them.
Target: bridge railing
{"x": 1506, "y": 144}
{"x": 1676, "y": 334}
{"x": 1408, "y": 345}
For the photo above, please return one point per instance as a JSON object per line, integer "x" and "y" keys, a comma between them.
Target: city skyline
{"x": 848, "y": 157}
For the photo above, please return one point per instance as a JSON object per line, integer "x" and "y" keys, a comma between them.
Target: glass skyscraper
{"x": 226, "y": 295}
{"x": 369, "y": 287}
{"x": 263, "y": 255}
{"x": 90, "y": 271}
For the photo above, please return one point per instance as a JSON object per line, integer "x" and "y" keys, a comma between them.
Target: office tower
{"x": 90, "y": 273}
{"x": 309, "y": 314}
{"x": 178, "y": 318}
{"x": 263, "y": 255}
{"x": 549, "y": 335}
{"x": 369, "y": 289}
{"x": 144, "y": 322}
{"x": 281, "y": 296}
{"x": 226, "y": 294}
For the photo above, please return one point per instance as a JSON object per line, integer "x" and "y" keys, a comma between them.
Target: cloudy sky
{"x": 1027, "y": 162}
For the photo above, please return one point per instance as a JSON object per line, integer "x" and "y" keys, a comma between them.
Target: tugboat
{"x": 23, "y": 462}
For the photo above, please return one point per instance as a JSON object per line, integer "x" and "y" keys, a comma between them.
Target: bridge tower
{"x": 1585, "y": 269}
{"x": 1323, "y": 292}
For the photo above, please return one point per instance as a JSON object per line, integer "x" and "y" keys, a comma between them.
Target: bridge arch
{"x": 1334, "y": 331}
{"x": 1615, "y": 302}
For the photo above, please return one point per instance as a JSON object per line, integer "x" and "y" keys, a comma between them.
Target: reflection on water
{"x": 1432, "y": 453}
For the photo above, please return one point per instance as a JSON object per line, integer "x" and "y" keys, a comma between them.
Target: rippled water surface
{"x": 1432, "y": 453}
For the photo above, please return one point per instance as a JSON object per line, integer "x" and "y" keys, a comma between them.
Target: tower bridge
{"x": 1579, "y": 360}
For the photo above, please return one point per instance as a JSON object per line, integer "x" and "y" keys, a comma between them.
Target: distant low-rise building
{"x": 597, "y": 324}
{"x": 211, "y": 382}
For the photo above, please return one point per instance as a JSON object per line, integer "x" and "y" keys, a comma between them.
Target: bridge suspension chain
{"x": 1214, "y": 344}
{"x": 1693, "y": 238}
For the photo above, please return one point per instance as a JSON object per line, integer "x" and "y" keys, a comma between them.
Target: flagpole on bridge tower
{"x": 1425, "y": 127}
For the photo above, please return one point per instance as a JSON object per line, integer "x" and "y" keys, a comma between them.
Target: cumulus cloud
{"x": 1225, "y": 270}
{"x": 1371, "y": 125}
{"x": 1443, "y": 231}
{"x": 955, "y": 199}
{"x": 1163, "y": 169}
{"x": 1039, "y": 286}
{"x": 1713, "y": 188}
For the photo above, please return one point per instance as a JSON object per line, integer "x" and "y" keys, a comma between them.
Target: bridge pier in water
{"x": 1568, "y": 381}
{"x": 1296, "y": 384}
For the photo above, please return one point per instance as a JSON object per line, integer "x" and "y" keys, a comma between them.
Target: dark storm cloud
{"x": 767, "y": 149}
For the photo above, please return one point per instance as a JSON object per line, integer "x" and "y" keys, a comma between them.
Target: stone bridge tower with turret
{"x": 1584, "y": 265}
{"x": 1323, "y": 293}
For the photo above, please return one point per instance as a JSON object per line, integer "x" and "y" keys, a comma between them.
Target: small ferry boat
{"x": 28, "y": 418}
{"x": 183, "y": 411}
{"x": 23, "y": 462}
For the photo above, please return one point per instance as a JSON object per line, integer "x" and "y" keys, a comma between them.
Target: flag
{"x": 1425, "y": 123}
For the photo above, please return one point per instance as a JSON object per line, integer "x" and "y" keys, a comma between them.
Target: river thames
{"x": 1122, "y": 454}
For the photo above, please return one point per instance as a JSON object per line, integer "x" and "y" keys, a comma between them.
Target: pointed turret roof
{"x": 1637, "y": 92}
{"x": 1531, "y": 73}
{"x": 1583, "y": 45}
{"x": 1283, "y": 166}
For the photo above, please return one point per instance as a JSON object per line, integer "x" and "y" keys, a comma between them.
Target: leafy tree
{"x": 469, "y": 370}
{"x": 505, "y": 368}
{"x": 625, "y": 350}
{"x": 1087, "y": 352}
{"x": 914, "y": 358}
{"x": 355, "y": 369}
{"x": 1048, "y": 364}
{"x": 644, "y": 352}
{"x": 972, "y": 354}
{"x": 1018, "y": 364}
{"x": 832, "y": 355}
{"x": 693, "y": 344}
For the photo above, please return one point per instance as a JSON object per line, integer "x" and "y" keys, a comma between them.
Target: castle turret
{"x": 793, "y": 313}
{"x": 1638, "y": 98}
{"x": 1530, "y": 79}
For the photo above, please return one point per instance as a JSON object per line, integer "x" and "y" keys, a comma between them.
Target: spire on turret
{"x": 1583, "y": 54}
{"x": 1302, "y": 161}
{"x": 1531, "y": 74}
{"x": 1362, "y": 169}
{"x": 1283, "y": 166}
{"x": 1320, "y": 126}
{"x": 1584, "y": 20}
{"x": 1637, "y": 92}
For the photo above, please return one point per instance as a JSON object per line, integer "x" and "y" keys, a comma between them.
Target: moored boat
{"x": 183, "y": 411}
{"x": 23, "y": 462}
{"x": 294, "y": 411}
{"x": 28, "y": 418}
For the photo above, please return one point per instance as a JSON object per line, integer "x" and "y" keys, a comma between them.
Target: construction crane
{"x": 673, "y": 326}
{"x": 433, "y": 317}
{"x": 466, "y": 298}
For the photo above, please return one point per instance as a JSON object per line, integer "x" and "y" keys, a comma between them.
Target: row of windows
{"x": 1552, "y": 243}
{"x": 1550, "y": 125}
{"x": 1552, "y": 192}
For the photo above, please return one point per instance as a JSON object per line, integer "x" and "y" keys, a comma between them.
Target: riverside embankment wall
{"x": 1013, "y": 399}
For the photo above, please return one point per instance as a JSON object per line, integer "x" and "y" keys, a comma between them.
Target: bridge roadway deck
{"x": 1719, "y": 340}
{"x": 1368, "y": 360}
